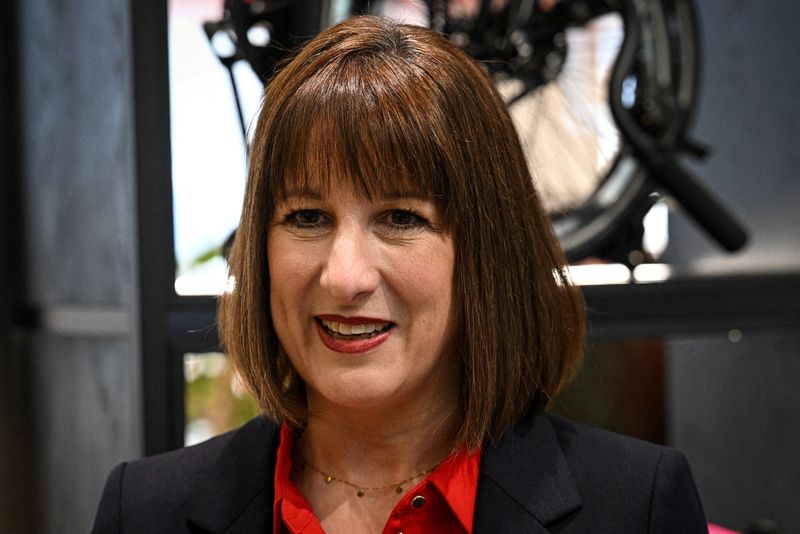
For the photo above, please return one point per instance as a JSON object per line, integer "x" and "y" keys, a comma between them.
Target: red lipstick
{"x": 351, "y": 346}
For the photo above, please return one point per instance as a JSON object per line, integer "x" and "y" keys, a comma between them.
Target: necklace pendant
{"x": 328, "y": 479}
{"x": 360, "y": 493}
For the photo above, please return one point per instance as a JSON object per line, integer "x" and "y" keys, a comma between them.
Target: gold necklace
{"x": 361, "y": 490}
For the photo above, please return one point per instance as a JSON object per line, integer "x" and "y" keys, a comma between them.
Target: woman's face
{"x": 361, "y": 298}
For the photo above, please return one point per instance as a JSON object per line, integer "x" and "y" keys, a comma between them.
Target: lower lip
{"x": 351, "y": 346}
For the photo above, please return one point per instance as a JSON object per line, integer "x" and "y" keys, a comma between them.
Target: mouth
{"x": 353, "y": 335}
{"x": 351, "y": 331}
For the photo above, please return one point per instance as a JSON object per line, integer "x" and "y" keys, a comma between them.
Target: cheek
{"x": 438, "y": 268}
{"x": 288, "y": 273}
{"x": 428, "y": 280}
{"x": 289, "y": 266}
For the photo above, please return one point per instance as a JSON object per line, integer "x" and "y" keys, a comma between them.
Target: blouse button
{"x": 418, "y": 501}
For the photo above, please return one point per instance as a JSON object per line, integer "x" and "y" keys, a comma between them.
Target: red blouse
{"x": 444, "y": 502}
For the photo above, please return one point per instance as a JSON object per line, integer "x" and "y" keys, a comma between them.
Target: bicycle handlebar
{"x": 698, "y": 202}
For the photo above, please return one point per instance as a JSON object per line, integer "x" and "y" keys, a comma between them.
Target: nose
{"x": 351, "y": 269}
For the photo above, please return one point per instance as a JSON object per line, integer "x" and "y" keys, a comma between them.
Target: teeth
{"x": 353, "y": 329}
{"x": 357, "y": 329}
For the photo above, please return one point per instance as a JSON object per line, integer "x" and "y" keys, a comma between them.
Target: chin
{"x": 359, "y": 394}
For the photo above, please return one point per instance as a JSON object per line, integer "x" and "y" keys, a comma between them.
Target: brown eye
{"x": 305, "y": 219}
{"x": 405, "y": 220}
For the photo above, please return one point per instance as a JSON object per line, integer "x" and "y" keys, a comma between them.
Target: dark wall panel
{"x": 86, "y": 420}
{"x": 735, "y": 410}
{"x": 77, "y": 139}
{"x": 16, "y": 489}
{"x": 79, "y": 229}
{"x": 734, "y": 407}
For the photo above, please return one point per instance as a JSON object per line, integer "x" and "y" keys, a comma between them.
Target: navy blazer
{"x": 545, "y": 475}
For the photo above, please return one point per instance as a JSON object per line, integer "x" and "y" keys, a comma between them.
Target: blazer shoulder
{"x": 161, "y": 488}
{"x": 653, "y": 482}
{"x": 579, "y": 441}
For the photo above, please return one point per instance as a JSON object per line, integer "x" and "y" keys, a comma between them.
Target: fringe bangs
{"x": 357, "y": 123}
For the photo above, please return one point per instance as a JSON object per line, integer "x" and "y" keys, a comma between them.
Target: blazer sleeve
{"x": 107, "y": 519}
{"x": 675, "y": 503}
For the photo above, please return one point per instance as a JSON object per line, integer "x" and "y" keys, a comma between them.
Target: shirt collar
{"x": 286, "y": 494}
{"x": 456, "y": 479}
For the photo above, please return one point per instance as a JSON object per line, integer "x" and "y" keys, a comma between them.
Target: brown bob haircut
{"x": 394, "y": 107}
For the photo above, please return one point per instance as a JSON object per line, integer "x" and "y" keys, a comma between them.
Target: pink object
{"x": 716, "y": 529}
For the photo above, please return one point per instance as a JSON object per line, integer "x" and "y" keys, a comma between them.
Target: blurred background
{"x": 123, "y": 162}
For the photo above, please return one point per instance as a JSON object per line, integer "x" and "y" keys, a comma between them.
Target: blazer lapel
{"x": 525, "y": 483}
{"x": 237, "y": 495}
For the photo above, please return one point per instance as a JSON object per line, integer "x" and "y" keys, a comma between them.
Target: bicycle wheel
{"x": 555, "y": 71}
{"x": 657, "y": 91}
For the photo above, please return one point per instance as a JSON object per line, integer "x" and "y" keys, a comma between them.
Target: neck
{"x": 373, "y": 447}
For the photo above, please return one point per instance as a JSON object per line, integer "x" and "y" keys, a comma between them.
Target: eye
{"x": 404, "y": 220}
{"x": 305, "y": 219}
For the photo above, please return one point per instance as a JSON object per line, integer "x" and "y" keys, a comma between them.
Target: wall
{"x": 733, "y": 406}
{"x": 77, "y": 186}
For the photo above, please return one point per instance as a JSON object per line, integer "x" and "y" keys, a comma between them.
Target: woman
{"x": 402, "y": 316}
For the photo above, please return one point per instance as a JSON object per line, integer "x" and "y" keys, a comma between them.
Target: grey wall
{"x": 734, "y": 408}
{"x": 78, "y": 217}
{"x": 735, "y": 412}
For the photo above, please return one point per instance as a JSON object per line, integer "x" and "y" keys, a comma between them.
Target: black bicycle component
{"x": 262, "y": 32}
{"x": 656, "y": 142}
{"x": 228, "y": 54}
